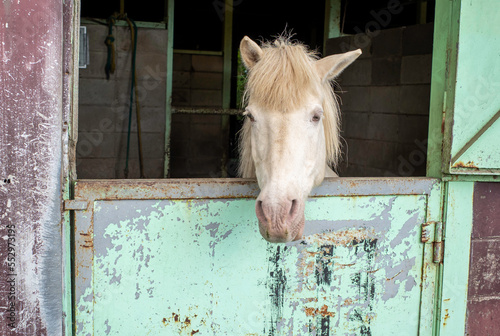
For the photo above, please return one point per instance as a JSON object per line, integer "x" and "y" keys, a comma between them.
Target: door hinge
{"x": 75, "y": 205}
{"x": 432, "y": 233}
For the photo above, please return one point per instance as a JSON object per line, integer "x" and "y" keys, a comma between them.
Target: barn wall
{"x": 483, "y": 303}
{"x": 196, "y": 143}
{"x": 385, "y": 101}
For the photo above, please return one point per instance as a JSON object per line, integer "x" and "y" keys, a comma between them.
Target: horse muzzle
{"x": 281, "y": 221}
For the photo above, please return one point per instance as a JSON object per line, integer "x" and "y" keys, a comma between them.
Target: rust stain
{"x": 389, "y": 279}
{"x": 347, "y": 302}
{"x": 323, "y": 311}
{"x": 469, "y": 164}
{"x": 342, "y": 237}
{"x": 195, "y": 332}
{"x": 446, "y": 316}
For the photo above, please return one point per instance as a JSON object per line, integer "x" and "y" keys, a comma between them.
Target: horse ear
{"x": 250, "y": 52}
{"x": 331, "y": 66}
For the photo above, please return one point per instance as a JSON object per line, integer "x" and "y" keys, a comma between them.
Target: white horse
{"x": 290, "y": 137}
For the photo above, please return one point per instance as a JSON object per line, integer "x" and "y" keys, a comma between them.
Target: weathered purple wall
{"x": 483, "y": 306}
{"x": 31, "y": 52}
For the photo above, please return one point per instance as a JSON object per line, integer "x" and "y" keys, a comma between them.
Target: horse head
{"x": 290, "y": 137}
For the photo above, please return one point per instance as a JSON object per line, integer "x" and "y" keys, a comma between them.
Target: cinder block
{"x": 484, "y": 277}
{"x": 386, "y": 71}
{"x": 148, "y": 40}
{"x": 417, "y": 39}
{"x": 207, "y": 63}
{"x": 412, "y": 159}
{"x": 207, "y": 119}
{"x": 153, "y": 120}
{"x": 96, "y": 118}
{"x": 180, "y": 148}
{"x": 97, "y": 35}
{"x": 207, "y": 98}
{"x": 371, "y": 153}
{"x": 358, "y": 73}
{"x": 178, "y": 167}
{"x": 415, "y": 99}
{"x": 123, "y": 66}
{"x": 96, "y": 144}
{"x": 121, "y": 141}
{"x": 416, "y": 69}
{"x": 133, "y": 169}
{"x": 181, "y": 79}
{"x": 486, "y": 210}
{"x": 355, "y": 125}
{"x": 205, "y": 167}
{"x": 482, "y": 316}
{"x": 180, "y": 131}
{"x": 98, "y": 92}
{"x": 347, "y": 43}
{"x": 364, "y": 42}
{"x": 355, "y": 98}
{"x": 181, "y": 97}
{"x": 383, "y": 127}
{"x": 209, "y": 147}
{"x": 385, "y": 99}
{"x": 151, "y": 94}
{"x": 202, "y": 132}
{"x": 413, "y": 128}
{"x": 153, "y": 168}
{"x": 206, "y": 80}
{"x": 386, "y": 43}
{"x": 96, "y": 168}
{"x": 151, "y": 66}
{"x": 152, "y": 40}
{"x": 153, "y": 145}
{"x": 96, "y": 66}
{"x": 182, "y": 62}
{"x": 338, "y": 45}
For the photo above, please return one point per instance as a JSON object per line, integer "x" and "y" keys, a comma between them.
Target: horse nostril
{"x": 259, "y": 211}
{"x": 294, "y": 208}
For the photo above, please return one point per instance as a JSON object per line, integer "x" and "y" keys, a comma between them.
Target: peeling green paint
{"x": 200, "y": 267}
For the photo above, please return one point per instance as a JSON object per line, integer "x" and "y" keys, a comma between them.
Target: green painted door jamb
{"x": 332, "y": 21}
{"x": 450, "y": 317}
{"x": 444, "y": 63}
{"x": 168, "y": 102}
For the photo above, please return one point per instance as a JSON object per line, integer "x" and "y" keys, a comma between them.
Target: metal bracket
{"x": 432, "y": 233}
{"x": 75, "y": 205}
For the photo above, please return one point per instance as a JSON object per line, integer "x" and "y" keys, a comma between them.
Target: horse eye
{"x": 250, "y": 116}
{"x": 316, "y": 118}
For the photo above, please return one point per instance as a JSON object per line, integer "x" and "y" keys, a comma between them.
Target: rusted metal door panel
{"x": 472, "y": 134}
{"x": 31, "y": 114}
{"x": 186, "y": 258}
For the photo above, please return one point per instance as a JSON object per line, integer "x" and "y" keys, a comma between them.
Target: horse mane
{"x": 282, "y": 80}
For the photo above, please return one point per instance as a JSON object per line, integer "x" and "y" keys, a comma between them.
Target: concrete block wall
{"x": 196, "y": 140}
{"x": 104, "y": 105}
{"x": 384, "y": 98}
